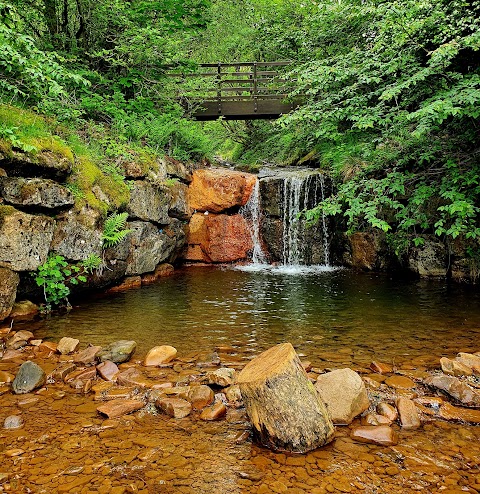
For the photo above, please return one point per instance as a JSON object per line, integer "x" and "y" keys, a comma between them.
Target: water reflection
{"x": 325, "y": 311}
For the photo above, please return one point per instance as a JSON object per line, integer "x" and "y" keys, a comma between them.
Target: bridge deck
{"x": 242, "y": 91}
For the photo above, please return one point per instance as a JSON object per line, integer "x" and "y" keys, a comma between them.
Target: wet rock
{"x": 9, "y": 281}
{"x": 108, "y": 370}
{"x": 80, "y": 377}
{"x": 77, "y": 235}
{"x": 215, "y": 412}
{"x": 408, "y": 413}
{"x": 149, "y": 203}
{"x": 470, "y": 360}
{"x": 161, "y": 271}
{"x": 200, "y": 396}
{"x": 382, "y": 435}
{"x": 222, "y": 377}
{"x": 381, "y": 368}
{"x": 216, "y": 190}
{"x": 234, "y": 396}
{"x": 344, "y": 394}
{"x": 119, "y": 407}
{"x": 133, "y": 377}
{"x": 63, "y": 370}
{"x": 450, "y": 412}
{"x": 24, "y": 310}
{"x": 174, "y": 407}
{"x": 375, "y": 419}
{"x": 118, "y": 351}
{"x": 387, "y": 411}
{"x": 454, "y": 367}
{"x": 35, "y": 193}
{"x": 19, "y": 339}
{"x": 399, "y": 382}
{"x": 67, "y": 345}
{"x": 367, "y": 251}
{"x": 128, "y": 283}
{"x": 217, "y": 238}
{"x": 160, "y": 355}
{"x": 13, "y": 422}
{"x": 30, "y": 376}
{"x": 455, "y": 388}
{"x": 87, "y": 356}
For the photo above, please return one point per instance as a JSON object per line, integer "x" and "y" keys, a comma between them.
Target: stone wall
{"x": 40, "y": 215}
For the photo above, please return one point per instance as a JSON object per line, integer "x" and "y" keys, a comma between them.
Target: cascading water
{"x": 274, "y": 214}
{"x": 252, "y": 213}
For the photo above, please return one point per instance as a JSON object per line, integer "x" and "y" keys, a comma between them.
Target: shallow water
{"x": 317, "y": 310}
{"x": 335, "y": 318}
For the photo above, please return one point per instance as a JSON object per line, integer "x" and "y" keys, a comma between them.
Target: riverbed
{"x": 333, "y": 317}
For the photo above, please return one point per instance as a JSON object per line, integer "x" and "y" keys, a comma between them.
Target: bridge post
{"x": 219, "y": 87}
{"x": 255, "y": 88}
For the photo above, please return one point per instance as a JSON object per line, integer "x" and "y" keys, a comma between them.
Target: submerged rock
{"x": 344, "y": 394}
{"x": 382, "y": 435}
{"x": 13, "y": 422}
{"x": 29, "y": 377}
{"x": 118, "y": 351}
{"x": 24, "y": 309}
{"x": 119, "y": 407}
{"x": 408, "y": 413}
{"x": 174, "y": 407}
{"x": 450, "y": 412}
{"x": 108, "y": 370}
{"x": 215, "y": 412}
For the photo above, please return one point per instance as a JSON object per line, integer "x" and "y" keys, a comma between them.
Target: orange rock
{"x": 400, "y": 382}
{"x": 217, "y": 190}
{"x": 108, "y": 370}
{"x": 161, "y": 271}
{"x": 382, "y": 434}
{"x": 117, "y": 408}
{"x": 381, "y": 367}
{"x": 215, "y": 412}
{"x": 177, "y": 408}
{"x": 200, "y": 396}
{"x": 160, "y": 355}
{"x": 409, "y": 417}
{"x": 388, "y": 411}
{"x": 470, "y": 360}
{"x": 455, "y": 368}
{"x": 218, "y": 238}
{"x": 127, "y": 284}
{"x": 449, "y": 412}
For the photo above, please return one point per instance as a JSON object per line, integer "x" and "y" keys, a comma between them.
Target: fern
{"x": 114, "y": 230}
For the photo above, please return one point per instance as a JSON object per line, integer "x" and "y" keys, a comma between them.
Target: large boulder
{"x": 36, "y": 193}
{"x": 149, "y": 203}
{"x": 24, "y": 239}
{"x": 76, "y": 235}
{"x": 8, "y": 291}
{"x": 344, "y": 394}
{"x": 218, "y": 238}
{"x": 150, "y": 245}
{"x": 217, "y": 190}
{"x": 429, "y": 259}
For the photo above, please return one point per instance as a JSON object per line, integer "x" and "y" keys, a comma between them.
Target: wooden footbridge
{"x": 236, "y": 91}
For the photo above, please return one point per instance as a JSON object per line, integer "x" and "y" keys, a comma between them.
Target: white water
{"x": 300, "y": 192}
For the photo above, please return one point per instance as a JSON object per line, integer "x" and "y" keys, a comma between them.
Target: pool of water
{"x": 334, "y": 318}
{"x": 325, "y": 313}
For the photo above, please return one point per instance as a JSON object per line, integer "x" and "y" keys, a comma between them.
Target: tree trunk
{"x": 285, "y": 409}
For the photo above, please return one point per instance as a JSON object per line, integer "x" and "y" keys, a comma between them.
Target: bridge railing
{"x": 237, "y": 90}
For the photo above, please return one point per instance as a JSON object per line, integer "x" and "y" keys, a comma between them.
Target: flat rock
{"x": 408, "y": 413}
{"x": 450, "y": 412}
{"x": 108, "y": 370}
{"x": 119, "y": 407}
{"x": 174, "y": 407}
{"x": 399, "y": 382}
{"x": 344, "y": 394}
{"x": 19, "y": 337}
{"x": 381, "y": 367}
{"x": 13, "y": 422}
{"x": 133, "y": 377}
{"x": 214, "y": 412}
{"x": 67, "y": 345}
{"x": 455, "y": 368}
{"x": 160, "y": 355}
{"x": 222, "y": 377}
{"x": 455, "y": 388}
{"x": 470, "y": 360}
{"x": 30, "y": 376}
{"x": 382, "y": 435}
{"x": 87, "y": 356}
{"x": 118, "y": 351}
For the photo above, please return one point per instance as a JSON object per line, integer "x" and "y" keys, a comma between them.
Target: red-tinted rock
{"x": 117, "y": 408}
{"x": 133, "y": 377}
{"x": 217, "y": 190}
{"x": 161, "y": 271}
{"x": 388, "y": 411}
{"x": 108, "y": 370}
{"x": 408, "y": 413}
{"x": 200, "y": 396}
{"x": 399, "y": 382}
{"x": 24, "y": 310}
{"x": 86, "y": 356}
{"x": 382, "y": 435}
{"x": 449, "y": 412}
{"x": 127, "y": 284}
{"x": 381, "y": 367}
{"x": 217, "y": 238}
{"x": 457, "y": 389}
{"x": 214, "y": 412}
{"x": 174, "y": 407}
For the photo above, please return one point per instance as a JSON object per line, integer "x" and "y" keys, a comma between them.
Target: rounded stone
{"x": 13, "y": 422}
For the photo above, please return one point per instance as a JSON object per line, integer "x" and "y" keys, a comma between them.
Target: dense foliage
{"x": 389, "y": 92}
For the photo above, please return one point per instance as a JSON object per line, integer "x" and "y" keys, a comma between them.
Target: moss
{"x": 52, "y": 144}
{"x": 5, "y": 149}
{"x": 6, "y": 211}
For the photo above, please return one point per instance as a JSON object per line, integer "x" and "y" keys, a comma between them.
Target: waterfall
{"x": 252, "y": 213}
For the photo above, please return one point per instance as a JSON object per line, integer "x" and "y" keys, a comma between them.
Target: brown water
{"x": 334, "y": 319}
